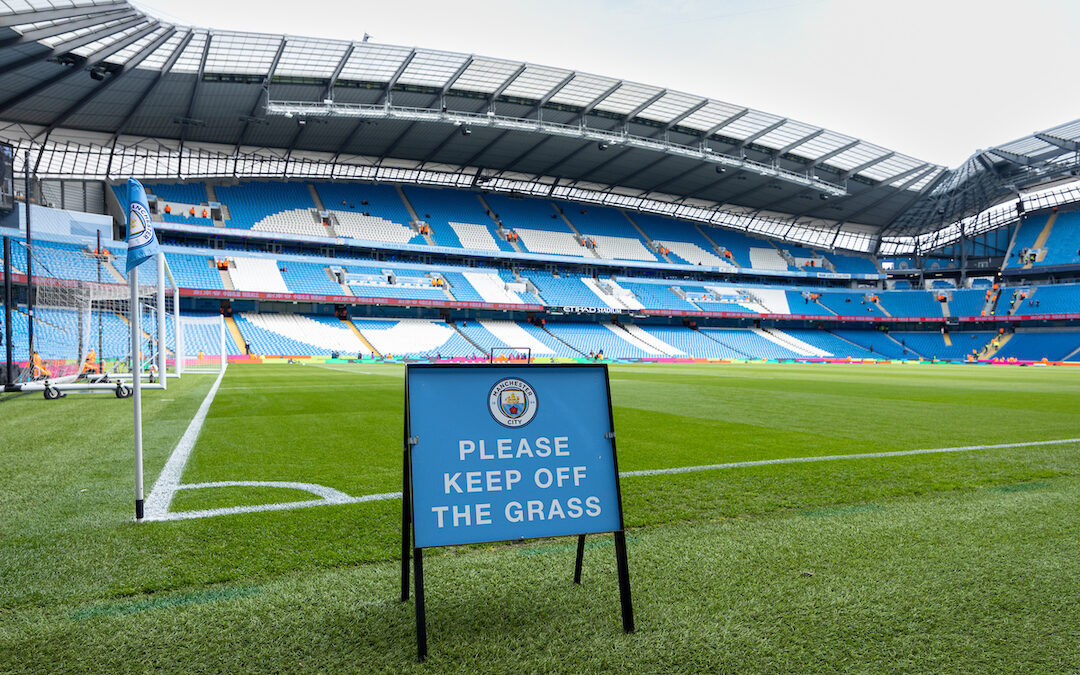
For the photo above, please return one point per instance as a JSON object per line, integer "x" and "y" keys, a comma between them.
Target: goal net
{"x": 71, "y": 333}
{"x": 510, "y": 355}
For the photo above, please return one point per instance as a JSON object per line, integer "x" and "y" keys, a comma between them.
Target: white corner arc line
{"x": 829, "y": 458}
{"x": 284, "y": 506}
{"x": 345, "y": 499}
{"x": 314, "y": 488}
{"x": 157, "y": 502}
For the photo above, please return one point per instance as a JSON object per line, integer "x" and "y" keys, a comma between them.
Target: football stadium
{"x": 848, "y": 428}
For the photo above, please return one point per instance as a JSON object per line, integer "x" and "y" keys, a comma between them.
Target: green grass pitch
{"x": 960, "y": 562}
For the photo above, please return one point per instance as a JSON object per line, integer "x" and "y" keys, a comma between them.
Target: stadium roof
{"x": 102, "y": 73}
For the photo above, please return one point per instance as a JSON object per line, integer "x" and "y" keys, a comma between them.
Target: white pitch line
{"x": 828, "y": 458}
{"x": 345, "y": 499}
{"x": 157, "y": 502}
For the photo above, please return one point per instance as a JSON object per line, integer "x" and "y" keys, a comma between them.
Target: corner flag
{"x": 142, "y": 244}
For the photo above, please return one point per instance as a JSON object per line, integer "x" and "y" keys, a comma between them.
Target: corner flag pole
{"x": 142, "y": 246}
{"x": 136, "y": 387}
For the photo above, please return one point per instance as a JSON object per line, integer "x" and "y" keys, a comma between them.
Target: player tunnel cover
{"x": 510, "y": 452}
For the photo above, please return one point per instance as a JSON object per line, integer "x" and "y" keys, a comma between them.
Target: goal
{"x": 68, "y": 333}
{"x": 510, "y": 355}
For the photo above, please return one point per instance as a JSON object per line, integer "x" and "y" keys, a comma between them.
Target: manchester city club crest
{"x": 512, "y": 402}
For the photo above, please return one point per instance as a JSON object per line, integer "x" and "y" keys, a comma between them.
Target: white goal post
{"x": 81, "y": 330}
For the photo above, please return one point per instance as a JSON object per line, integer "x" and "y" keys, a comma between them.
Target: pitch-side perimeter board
{"x": 508, "y": 452}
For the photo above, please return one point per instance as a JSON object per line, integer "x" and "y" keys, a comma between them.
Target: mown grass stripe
{"x": 197, "y": 598}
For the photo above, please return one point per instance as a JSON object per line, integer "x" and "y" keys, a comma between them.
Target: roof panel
{"x": 191, "y": 57}
{"x": 245, "y": 53}
{"x": 860, "y": 154}
{"x": 71, "y": 35}
{"x": 627, "y": 97}
{"x": 784, "y": 136}
{"x": 750, "y": 123}
{"x": 109, "y": 39}
{"x": 670, "y": 106}
{"x": 891, "y": 167}
{"x": 374, "y": 62}
{"x": 303, "y": 57}
{"x": 127, "y": 53}
{"x": 432, "y": 69}
{"x": 485, "y": 75}
{"x": 156, "y": 60}
{"x": 712, "y": 114}
{"x": 926, "y": 180}
{"x": 822, "y": 145}
{"x": 583, "y": 90}
{"x": 535, "y": 82}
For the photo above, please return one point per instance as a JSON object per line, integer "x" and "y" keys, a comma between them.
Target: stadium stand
{"x": 256, "y": 274}
{"x": 457, "y": 218}
{"x": 380, "y": 201}
{"x": 194, "y": 271}
{"x": 249, "y": 203}
{"x": 415, "y": 338}
{"x": 1036, "y": 345}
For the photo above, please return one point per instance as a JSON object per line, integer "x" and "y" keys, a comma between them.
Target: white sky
{"x": 935, "y": 79}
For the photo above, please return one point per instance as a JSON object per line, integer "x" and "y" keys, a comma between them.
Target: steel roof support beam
{"x": 457, "y": 74}
{"x": 514, "y": 162}
{"x": 566, "y": 158}
{"x": 440, "y": 98}
{"x": 67, "y": 26}
{"x": 393, "y": 144}
{"x": 166, "y": 67}
{"x": 504, "y": 86}
{"x": 784, "y": 198}
{"x": 614, "y": 157}
{"x": 386, "y": 94}
{"x": 132, "y": 63}
{"x": 761, "y": 132}
{"x": 642, "y": 170}
{"x": 1015, "y": 158}
{"x": 677, "y": 177}
{"x": 683, "y": 115}
{"x": 652, "y": 99}
{"x": 805, "y": 139}
{"x": 329, "y": 93}
{"x": 1063, "y": 143}
{"x": 479, "y": 153}
{"x": 707, "y": 187}
{"x": 739, "y": 195}
{"x": 442, "y": 144}
{"x": 717, "y": 127}
{"x": 855, "y": 170}
{"x": 923, "y": 170}
{"x": 94, "y": 59}
{"x": 195, "y": 89}
{"x": 598, "y": 100}
{"x": 551, "y": 94}
{"x": 73, "y": 44}
{"x": 833, "y": 153}
{"x": 927, "y": 189}
{"x": 40, "y": 15}
{"x": 266, "y": 84}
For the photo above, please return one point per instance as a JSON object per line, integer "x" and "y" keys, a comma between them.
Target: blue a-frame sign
{"x": 508, "y": 452}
